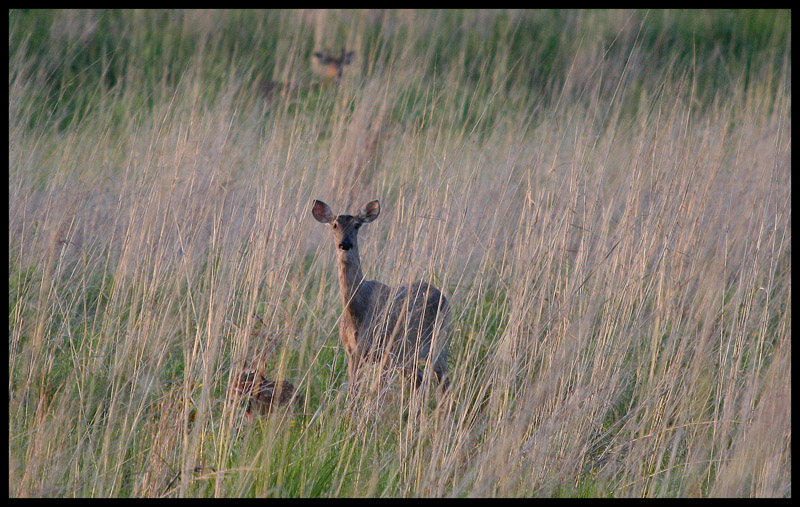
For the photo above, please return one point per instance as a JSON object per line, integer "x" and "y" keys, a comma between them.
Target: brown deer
{"x": 379, "y": 323}
{"x": 324, "y": 63}
{"x": 261, "y": 394}
{"x": 330, "y": 65}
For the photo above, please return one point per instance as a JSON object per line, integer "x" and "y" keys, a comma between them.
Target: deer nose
{"x": 345, "y": 245}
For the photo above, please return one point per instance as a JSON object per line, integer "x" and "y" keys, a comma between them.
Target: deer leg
{"x": 439, "y": 369}
{"x": 352, "y": 368}
{"x": 416, "y": 375}
{"x": 444, "y": 381}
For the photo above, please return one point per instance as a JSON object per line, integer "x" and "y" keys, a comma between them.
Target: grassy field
{"x": 603, "y": 196}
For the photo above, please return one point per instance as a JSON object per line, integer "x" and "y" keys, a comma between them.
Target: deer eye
{"x": 357, "y": 225}
{"x": 334, "y": 225}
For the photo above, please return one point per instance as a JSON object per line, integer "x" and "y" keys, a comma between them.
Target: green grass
{"x": 603, "y": 196}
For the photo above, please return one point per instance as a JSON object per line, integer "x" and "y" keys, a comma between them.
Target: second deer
{"x": 326, "y": 64}
{"x": 379, "y": 322}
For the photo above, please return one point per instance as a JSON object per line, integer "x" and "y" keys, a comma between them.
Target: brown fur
{"x": 263, "y": 395}
{"x": 324, "y": 63}
{"x": 380, "y": 323}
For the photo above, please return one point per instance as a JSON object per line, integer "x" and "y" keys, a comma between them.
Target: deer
{"x": 326, "y": 64}
{"x": 263, "y": 395}
{"x": 332, "y": 65}
{"x": 250, "y": 384}
{"x": 408, "y": 323}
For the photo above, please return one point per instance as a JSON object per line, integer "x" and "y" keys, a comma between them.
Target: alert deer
{"x": 379, "y": 323}
{"x": 325, "y": 64}
{"x": 330, "y": 65}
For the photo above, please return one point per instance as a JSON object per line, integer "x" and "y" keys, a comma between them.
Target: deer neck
{"x": 351, "y": 278}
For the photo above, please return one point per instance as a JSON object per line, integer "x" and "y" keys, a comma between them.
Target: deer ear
{"x": 370, "y": 211}
{"x": 322, "y": 212}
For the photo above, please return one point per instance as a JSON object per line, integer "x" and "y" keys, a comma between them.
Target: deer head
{"x": 345, "y": 227}
{"x": 331, "y": 66}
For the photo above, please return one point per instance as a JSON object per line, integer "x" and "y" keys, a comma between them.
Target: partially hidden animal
{"x": 327, "y": 65}
{"x": 263, "y": 395}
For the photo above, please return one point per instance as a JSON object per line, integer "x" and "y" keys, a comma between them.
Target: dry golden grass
{"x": 616, "y": 256}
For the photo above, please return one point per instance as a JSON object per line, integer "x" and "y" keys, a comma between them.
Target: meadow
{"x": 603, "y": 196}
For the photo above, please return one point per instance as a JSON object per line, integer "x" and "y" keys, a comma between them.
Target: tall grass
{"x": 604, "y": 197}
